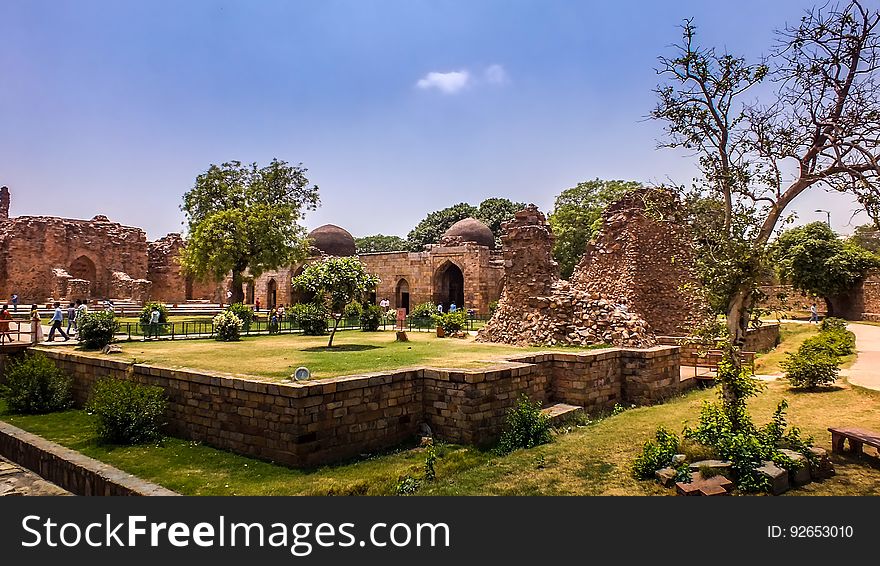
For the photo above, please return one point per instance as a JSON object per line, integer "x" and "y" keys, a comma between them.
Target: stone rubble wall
{"x": 537, "y": 307}
{"x": 322, "y": 421}
{"x": 164, "y": 271}
{"x": 31, "y": 247}
{"x": 643, "y": 256}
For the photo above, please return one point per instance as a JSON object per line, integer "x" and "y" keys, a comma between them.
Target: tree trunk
{"x": 829, "y": 307}
{"x": 333, "y": 332}
{"x": 237, "y": 288}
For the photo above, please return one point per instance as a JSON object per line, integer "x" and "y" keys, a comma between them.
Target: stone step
{"x": 559, "y": 413}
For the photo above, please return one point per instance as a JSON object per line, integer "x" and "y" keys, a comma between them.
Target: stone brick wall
{"x": 536, "y": 307}
{"x": 164, "y": 271}
{"x": 643, "y": 256}
{"x": 317, "y": 422}
{"x": 32, "y": 246}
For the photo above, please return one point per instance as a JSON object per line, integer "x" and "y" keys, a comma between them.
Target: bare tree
{"x": 820, "y": 127}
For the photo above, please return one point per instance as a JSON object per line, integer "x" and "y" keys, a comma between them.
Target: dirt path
{"x": 865, "y": 372}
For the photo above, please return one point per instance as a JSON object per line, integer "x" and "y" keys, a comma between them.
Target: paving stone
{"x": 666, "y": 476}
{"x": 715, "y": 485}
{"x": 778, "y": 477}
{"x": 718, "y": 466}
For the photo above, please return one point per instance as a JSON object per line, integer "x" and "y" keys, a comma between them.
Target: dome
{"x": 471, "y": 230}
{"x": 333, "y": 240}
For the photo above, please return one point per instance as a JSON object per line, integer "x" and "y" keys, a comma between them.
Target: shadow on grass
{"x": 803, "y": 390}
{"x": 342, "y": 348}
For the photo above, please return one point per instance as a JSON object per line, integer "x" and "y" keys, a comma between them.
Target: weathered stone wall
{"x": 164, "y": 271}
{"x": 31, "y": 247}
{"x": 4, "y": 203}
{"x": 643, "y": 256}
{"x": 536, "y": 307}
{"x": 317, "y": 422}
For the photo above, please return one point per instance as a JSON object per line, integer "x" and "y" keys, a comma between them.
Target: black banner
{"x": 417, "y": 530}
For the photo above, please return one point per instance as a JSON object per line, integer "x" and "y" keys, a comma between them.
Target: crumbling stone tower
{"x": 4, "y": 203}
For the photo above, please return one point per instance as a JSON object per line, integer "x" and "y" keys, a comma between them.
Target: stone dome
{"x": 471, "y": 230}
{"x": 333, "y": 240}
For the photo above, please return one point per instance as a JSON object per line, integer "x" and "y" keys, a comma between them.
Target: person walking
{"x": 15, "y": 302}
{"x": 36, "y": 326}
{"x": 257, "y": 305}
{"x": 153, "y": 328}
{"x": 439, "y": 308}
{"x": 57, "y": 319}
{"x": 5, "y": 319}
{"x": 71, "y": 319}
{"x": 814, "y": 313}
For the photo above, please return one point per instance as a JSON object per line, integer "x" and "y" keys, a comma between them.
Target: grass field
{"x": 276, "y": 357}
{"x": 589, "y": 460}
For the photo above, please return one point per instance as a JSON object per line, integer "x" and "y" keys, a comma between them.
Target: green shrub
{"x": 353, "y": 310}
{"x": 657, "y": 453}
{"x": 311, "y": 318}
{"x": 95, "y": 329}
{"x": 832, "y": 323}
{"x": 371, "y": 318}
{"x": 493, "y": 306}
{"x": 451, "y": 321}
{"x": 813, "y": 366}
{"x": 526, "y": 427}
{"x": 244, "y": 313}
{"x": 407, "y": 485}
{"x": 839, "y": 342}
{"x": 127, "y": 412}
{"x": 148, "y": 309}
{"x": 227, "y": 327}
{"x": 423, "y": 314}
{"x": 35, "y": 385}
{"x": 430, "y": 459}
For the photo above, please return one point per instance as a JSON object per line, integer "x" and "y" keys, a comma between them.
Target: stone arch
{"x": 84, "y": 268}
{"x": 249, "y": 293}
{"x": 401, "y": 295}
{"x": 449, "y": 285}
{"x": 271, "y": 294}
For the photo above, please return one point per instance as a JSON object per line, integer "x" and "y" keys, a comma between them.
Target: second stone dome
{"x": 471, "y": 230}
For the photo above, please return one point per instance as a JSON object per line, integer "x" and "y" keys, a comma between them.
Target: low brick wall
{"x": 311, "y": 423}
{"x": 761, "y": 339}
{"x": 69, "y": 469}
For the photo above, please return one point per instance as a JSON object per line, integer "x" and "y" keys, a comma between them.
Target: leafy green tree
{"x": 867, "y": 237}
{"x": 429, "y": 230}
{"x": 336, "y": 282}
{"x": 821, "y": 113}
{"x": 380, "y": 243}
{"x": 575, "y": 218}
{"x": 492, "y": 212}
{"x": 243, "y": 219}
{"x": 814, "y": 260}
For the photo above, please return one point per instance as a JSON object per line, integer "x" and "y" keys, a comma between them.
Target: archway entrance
{"x": 84, "y": 268}
{"x": 249, "y": 294}
{"x": 271, "y": 294}
{"x": 401, "y": 295}
{"x": 449, "y": 286}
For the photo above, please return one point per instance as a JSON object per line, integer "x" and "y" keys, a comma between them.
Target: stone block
{"x": 778, "y": 477}
{"x": 801, "y": 474}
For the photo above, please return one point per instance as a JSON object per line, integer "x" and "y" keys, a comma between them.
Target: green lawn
{"x": 588, "y": 460}
{"x": 792, "y": 335}
{"x": 276, "y": 357}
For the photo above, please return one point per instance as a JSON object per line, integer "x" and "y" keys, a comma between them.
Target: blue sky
{"x": 397, "y": 108}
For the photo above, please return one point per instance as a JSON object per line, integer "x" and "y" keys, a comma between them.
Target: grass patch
{"x": 791, "y": 335}
{"x": 587, "y": 460}
{"x": 353, "y": 352}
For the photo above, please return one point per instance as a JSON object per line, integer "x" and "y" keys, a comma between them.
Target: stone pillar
{"x": 4, "y": 203}
{"x": 527, "y": 242}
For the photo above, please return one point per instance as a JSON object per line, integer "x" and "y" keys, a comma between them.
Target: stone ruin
{"x": 635, "y": 280}
{"x": 643, "y": 256}
{"x": 537, "y": 307}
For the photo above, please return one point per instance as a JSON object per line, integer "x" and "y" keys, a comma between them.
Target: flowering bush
{"x": 227, "y": 327}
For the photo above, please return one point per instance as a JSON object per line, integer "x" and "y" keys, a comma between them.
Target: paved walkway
{"x": 15, "y": 480}
{"x": 865, "y": 372}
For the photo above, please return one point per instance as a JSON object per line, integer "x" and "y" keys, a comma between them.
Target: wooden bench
{"x": 857, "y": 438}
{"x": 711, "y": 360}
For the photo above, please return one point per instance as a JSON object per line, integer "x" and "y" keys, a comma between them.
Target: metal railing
{"x": 205, "y": 329}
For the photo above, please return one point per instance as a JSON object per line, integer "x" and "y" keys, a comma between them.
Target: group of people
{"x": 73, "y": 313}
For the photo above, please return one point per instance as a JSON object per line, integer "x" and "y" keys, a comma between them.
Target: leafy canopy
{"x": 335, "y": 282}
{"x": 814, "y": 260}
{"x": 380, "y": 243}
{"x": 243, "y": 217}
{"x": 575, "y": 218}
{"x": 492, "y": 212}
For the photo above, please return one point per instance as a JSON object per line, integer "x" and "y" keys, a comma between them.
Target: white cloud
{"x": 495, "y": 74}
{"x": 450, "y": 82}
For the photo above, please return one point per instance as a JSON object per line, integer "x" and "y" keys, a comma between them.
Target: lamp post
{"x": 827, "y": 214}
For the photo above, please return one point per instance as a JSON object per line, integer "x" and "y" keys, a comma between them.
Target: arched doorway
{"x": 449, "y": 286}
{"x": 249, "y": 294}
{"x": 401, "y": 295}
{"x": 84, "y": 268}
{"x": 271, "y": 294}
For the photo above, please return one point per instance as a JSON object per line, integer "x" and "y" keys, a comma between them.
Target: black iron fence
{"x": 205, "y": 329}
